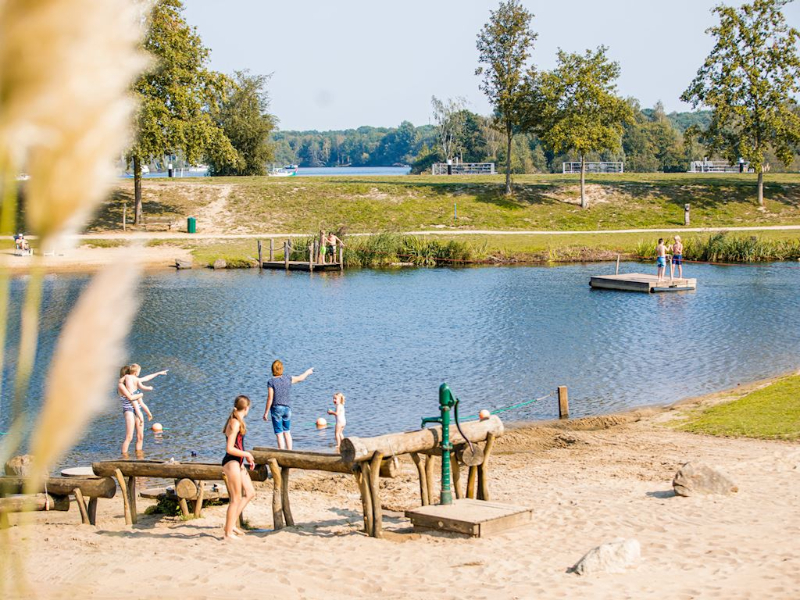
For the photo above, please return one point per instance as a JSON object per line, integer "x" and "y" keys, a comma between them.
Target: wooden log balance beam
{"x": 363, "y": 453}
{"x": 82, "y": 488}
{"x": 126, "y": 472}
{"x": 282, "y": 461}
{"x": 21, "y": 503}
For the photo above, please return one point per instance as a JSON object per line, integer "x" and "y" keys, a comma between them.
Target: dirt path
{"x": 216, "y": 216}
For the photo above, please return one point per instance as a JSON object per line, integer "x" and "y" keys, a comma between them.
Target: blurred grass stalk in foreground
{"x": 66, "y": 67}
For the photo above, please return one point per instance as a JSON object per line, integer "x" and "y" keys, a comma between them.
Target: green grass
{"x": 547, "y": 202}
{"x": 772, "y": 412}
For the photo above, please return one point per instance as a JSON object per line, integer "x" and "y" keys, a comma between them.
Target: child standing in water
{"x": 341, "y": 421}
{"x": 134, "y": 383}
{"x": 235, "y": 465}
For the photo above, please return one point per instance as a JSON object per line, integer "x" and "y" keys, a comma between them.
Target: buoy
{"x": 484, "y": 414}
{"x": 157, "y": 428}
{"x": 321, "y": 423}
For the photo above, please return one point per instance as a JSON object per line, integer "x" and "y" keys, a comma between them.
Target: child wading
{"x": 235, "y": 464}
{"x": 341, "y": 421}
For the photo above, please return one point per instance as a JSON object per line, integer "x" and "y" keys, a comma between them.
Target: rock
{"x": 220, "y": 264}
{"x": 694, "y": 479}
{"x": 182, "y": 264}
{"x": 20, "y": 466}
{"x": 611, "y": 557}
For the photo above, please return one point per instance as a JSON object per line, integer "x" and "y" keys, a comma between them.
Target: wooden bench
{"x": 151, "y": 223}
{"x": 55, "y": 492}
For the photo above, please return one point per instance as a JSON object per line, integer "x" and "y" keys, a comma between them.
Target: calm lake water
{"x": 387, "y": 339}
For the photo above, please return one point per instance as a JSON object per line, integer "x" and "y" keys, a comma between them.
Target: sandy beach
{"x": 589, "y": 481}
{"x": 88, "y": 259}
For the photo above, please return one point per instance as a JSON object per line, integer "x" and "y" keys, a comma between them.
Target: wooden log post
{"x": 286, "y": 255}
{"x": 198, "y": 503}
{"x": 260, "y": 259}
{"x": 483, "y": 474}
{"x": 82, "y": 506}
{"x": 93, "y": 511}
{"x": 366, "y": 497}
{"x": 429, "y": 478}
{"x": 287, "y": 509}
{"x": 563, "y": 402}
{"x": 311, "y": 258}
{"x": 271, "y": 249}
{"x": 472, "y": 479}
{"x": 375, "y": 492}
{"x": 355, "y": 449}
{"x": 125, "y": 498}
{"x": 184, "y": 508}
{"x": 423, "y": 480}
{"x": 456, "y": 470}
{"x": 277, "y": 508}
{"x": 132, "y": 493}
{"x": 341, "y": 257}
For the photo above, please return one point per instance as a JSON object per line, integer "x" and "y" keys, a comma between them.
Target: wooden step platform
{"x": 640, "y": 282}
{"x": 475, "y": 518}
{"x": 296, "y": 265}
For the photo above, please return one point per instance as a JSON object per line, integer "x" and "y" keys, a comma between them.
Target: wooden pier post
{"x": 260, "y": 259}
{"x": 617, "y": 271}
{"x": 311, "y": 258}
{"x": 286, "y": 255}
{"x": 271, "y": 249}
{"x": 341, "y": 257}
{"x": 563, "y": 402}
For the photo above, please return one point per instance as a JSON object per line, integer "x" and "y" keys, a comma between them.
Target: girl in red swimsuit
{"x": 235, "y": 465}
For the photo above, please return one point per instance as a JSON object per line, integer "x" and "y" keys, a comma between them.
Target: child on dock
{"x": 677, "y": 258}
{"x": 661, "y": 258}
{"x": 235, "y": 465}
{"x": 341, "y": 421}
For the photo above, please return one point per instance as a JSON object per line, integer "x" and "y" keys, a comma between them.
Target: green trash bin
{"x": 191, "y": 225}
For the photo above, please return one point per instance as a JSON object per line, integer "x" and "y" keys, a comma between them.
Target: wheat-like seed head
{"x": 65, "y": 71}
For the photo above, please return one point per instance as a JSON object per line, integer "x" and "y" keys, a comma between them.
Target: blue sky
{"x": 339, "y": 65}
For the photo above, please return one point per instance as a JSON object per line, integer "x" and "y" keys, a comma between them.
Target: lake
{"x": 388, "y": 338}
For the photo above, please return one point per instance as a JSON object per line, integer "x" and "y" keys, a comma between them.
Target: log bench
{"x": 126, "y": 472}
{"x": 365, "y": 454}
{"x": 56, "y": 491}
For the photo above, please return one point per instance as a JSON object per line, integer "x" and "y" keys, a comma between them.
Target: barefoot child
{"x": 134, "y": 383}
{"x": 341, "y": 421}
{"x": 235, "y": 465}
{"x": 129, "y": 411}
{"x": 661, "y": 258}
{"x": 677, "y": 258}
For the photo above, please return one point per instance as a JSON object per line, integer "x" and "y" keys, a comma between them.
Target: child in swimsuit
{"x": 134, "y": 384}
{"x": 661, "y": 258}
{"x": 129, "y": 413}
{"x": 677, "y": 257}
{"x": 341, "y": 420}
{"x": 235, "y": 465}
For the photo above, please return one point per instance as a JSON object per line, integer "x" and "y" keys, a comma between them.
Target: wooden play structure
{"x": 53, "y": 494}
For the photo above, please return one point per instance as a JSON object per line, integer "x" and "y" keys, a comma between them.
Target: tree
{"x": 580, "y": 108}
{"x": 173, "y": 96}
{"x": 749, "y": 80}
{"x": 449, "y": 117}
{"x": 504, "y": 45}
{"x": 241, "y": 112}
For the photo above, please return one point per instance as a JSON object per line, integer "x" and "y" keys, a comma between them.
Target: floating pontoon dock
{"x": 314, "y": 262}
{"x": 639, "y": 282}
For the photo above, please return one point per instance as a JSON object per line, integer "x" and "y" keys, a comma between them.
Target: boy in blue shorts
{"x": 661, "y": 258}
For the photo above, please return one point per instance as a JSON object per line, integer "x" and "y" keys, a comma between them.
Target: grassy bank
{"x": 773, "y": 412}
{"x": 371, "y": 204}
{"x": 732, "y": 248}
{"x": 388, "y": 249}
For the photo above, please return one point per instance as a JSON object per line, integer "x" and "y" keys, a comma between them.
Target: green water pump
{"x": 447, "y": 402}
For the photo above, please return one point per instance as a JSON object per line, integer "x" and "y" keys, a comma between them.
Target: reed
{"x": 388, "y": 249}
{"x": 731, "y": 248}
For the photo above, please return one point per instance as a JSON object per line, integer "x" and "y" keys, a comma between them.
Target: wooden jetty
{"x": 314, "y": 262}
{"x": 640, "y": 282}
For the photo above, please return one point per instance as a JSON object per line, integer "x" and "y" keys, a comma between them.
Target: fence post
{"x": 124, "y": 215}
{"x": 563, "y": 402}
{"x": 686, "y": 215}
{"x": 311, "y": 257}
{"x": 271, "y": 249}
{"x": 286, "y": 255}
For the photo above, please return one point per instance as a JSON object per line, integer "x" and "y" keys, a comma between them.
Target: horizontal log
{"x": 359, "y": 449}
{"x": 315, "y": 461}
{"x": 91, "y": 487}
{"x": 176, "y": 470}
{"x": 34, "y": 502}
{"x": 186, "y": 489}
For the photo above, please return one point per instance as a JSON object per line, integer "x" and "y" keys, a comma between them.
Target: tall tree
{"x": 504, "y": 46}
{"x": 242, "y": 112}
{"x": 173, "y": 96}
{"x": 750, "y": 80}
{"x": 449, "y": 118}
{"x": 580, "y": 107}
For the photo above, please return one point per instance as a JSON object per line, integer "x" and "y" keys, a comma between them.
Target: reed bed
{"x": 388, "y": 249}
{"x": 730, "y": 248}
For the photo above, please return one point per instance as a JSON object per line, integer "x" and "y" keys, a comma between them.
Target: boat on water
{"x": 287, "y": 171}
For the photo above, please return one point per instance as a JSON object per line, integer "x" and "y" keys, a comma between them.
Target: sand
{"x": 87, "y": 259}
{"x": 591, "y": 482}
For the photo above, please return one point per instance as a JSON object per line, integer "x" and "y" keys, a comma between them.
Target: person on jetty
{"x": 331, "y": 242}
{"x": 235, "y": 464}
{"x": 341, "y": 420}
{"x": 130, "y": 379}
{"x": 128, "y": 413}
{"x": 279, "y": 405}
{"x": 677, "y": 258}
{"x": 661, "y": 258}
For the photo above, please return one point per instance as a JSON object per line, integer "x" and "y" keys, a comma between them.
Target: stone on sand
{"x": 611, "y": 557}
{"x": 694, "y": 479}
{"x": 220, "y": 264}
{"x": 19, "y": 466}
